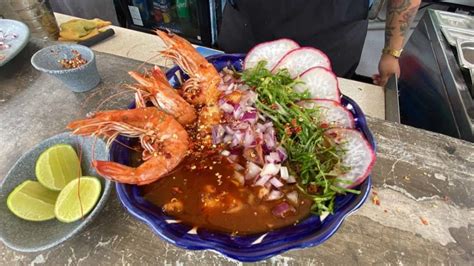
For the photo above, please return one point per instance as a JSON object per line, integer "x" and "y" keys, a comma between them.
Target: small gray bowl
{"x": 26, "y": 236}
{"x": 79, "y": 79}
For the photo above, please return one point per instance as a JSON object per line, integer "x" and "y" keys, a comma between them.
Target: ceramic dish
{"x": 27, "y": 236}
{"x": 78, "y": 79}
{"x": 310, "y": 232}
{"x": 9, "y": 27}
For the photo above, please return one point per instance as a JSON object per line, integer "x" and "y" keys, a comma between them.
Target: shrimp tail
{"x": 121, "y": 173}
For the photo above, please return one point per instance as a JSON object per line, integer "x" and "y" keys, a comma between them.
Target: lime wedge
{"x": 68, "y": 205}
{"x": 57, "y": 166}
{"x": 33, "y": 202}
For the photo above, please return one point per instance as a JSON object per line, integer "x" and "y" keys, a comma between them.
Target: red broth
{"x": 205, "y": 194}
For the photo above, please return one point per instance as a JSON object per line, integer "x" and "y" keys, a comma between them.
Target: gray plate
{"x": 27, "y": 236}
{"x": 8, "y": 26}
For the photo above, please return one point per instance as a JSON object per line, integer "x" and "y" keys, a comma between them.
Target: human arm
{"x": 400, "y": 15}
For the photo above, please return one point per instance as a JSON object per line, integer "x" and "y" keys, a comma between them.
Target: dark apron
{"x": 337, "y": 27}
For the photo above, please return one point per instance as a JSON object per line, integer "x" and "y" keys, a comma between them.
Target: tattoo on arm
{"x": 400, "y": 15}
{"x": 406, "y": 20}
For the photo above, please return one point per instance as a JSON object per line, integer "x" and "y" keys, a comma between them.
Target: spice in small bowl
{"x": 75, "y": 61}
{"x": 78, "y": 71}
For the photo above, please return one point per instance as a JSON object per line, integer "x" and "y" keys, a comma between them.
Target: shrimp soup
{"x": 209, "y": 193}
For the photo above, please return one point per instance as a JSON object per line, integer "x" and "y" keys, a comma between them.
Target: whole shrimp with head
{"x": 201, "y": 89}
{"x": 163, "y": 139}
{"x": 155, "y": 88}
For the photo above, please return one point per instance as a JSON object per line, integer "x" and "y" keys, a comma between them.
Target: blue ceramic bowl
{"x": 27, "y": 236}
{"x": 310, "y": 232}
{"x": 79, "y": 79}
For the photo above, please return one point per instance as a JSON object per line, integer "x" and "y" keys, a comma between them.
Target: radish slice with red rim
{"x": 271, "y": 52}
{"x": 321, "y": 83}
{"x": 331, "y": 113}
{"x": 359, "y": 157}
{"x": 299, "y": 60}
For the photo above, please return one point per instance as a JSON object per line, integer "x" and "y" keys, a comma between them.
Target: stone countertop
{"x": 145, "y": 47}
{"x": 424, "y": 182}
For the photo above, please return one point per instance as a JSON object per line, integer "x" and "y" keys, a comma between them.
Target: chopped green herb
{"x": 311, "y": 158}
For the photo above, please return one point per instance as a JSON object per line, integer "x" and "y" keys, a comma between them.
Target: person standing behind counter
{"x": 337, "y": 27}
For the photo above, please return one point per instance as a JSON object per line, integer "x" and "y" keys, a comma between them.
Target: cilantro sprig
{"x": 311, "y": 158}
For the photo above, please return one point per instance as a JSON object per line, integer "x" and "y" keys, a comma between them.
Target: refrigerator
{"x": 196, "y": 20}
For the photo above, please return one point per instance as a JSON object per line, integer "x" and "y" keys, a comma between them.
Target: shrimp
{"x": 164, "y": 140}
{"x": 156, "y": 88}
{"x": 201, "y": 87}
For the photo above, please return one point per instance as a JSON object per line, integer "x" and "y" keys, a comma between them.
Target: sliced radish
{"x": 321, "y": 83}
{"x": 299, "y": 60}
{"x": 331, "y": 113}
{"x": 358, "y": 156}
{"x": 271, "y": 52}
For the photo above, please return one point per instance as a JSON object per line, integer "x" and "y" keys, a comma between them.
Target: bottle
{"x": 182, "y": 8}
{"x": 39, "y": 17}
{"x": 165, "y": 8}
{"x": 157, "y": 14}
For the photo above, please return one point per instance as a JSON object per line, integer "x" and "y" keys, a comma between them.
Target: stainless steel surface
{"x": 455, "y": 20}
{"x": 465, "y": 50}
{"x": 392, "y": 105}
{"x": 466, "y": 53}
{"x": 452, "y": 34}
{"x": 434, "y": 90}
{"x": 38, "y": 15}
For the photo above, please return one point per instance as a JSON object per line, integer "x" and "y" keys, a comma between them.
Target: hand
{"x": 388, "y": 66}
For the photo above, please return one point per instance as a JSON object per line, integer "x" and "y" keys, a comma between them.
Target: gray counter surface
{"x": 424, "y": 182}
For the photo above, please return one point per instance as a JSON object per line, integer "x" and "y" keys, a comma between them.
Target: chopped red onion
{"x": 250, "y": 116}
{"x": 272, "y": 157}
{"x": 276, "y": 183}
{"x": 282, "y": 152}
{"x": 230, "y": 87}
{"x": 238, "y": 111}
{"x": 291, "y": 179}
{"x": 283, "y": 210}
{"x": 262, "y": 180}
{"x": 233, "y": 158}
{"x": 259, "y": 127}
{"x": 293, "y": 197}
{"x": 218, "y": 132}
{"x": 227, "y": 107}
{"x": 228, "y": 129}
{"x": 237, "y": 139}
{"x": 227, "y": 78}
{"x": 227, "y": 139}
{"x": 284, "y": 173}
{"x": 239, "y": 177}
{"x": 270, "y": 169}
{"x": 274, "y": 195}
{"x": 238, "y": 167}
{"x": 252, "y": 170}
{"x": 268, "y": 125}
{"x": 241, "y": 125}
{"x": 270, "y": 140}
{"x": 249, "y": 139}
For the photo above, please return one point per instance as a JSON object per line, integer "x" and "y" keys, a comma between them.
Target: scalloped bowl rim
{"x": 247, "y": 255}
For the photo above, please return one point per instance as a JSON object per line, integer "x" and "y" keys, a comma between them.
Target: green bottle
{"x": 182, "y": 8}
